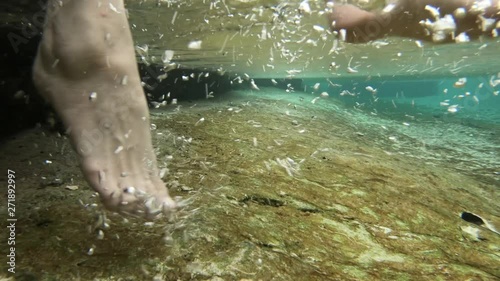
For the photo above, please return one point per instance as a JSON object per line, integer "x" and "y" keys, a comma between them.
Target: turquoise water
{"x": 437, "y": 97}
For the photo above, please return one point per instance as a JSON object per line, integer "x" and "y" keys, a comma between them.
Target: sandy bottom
{"x": 278, "y": 188}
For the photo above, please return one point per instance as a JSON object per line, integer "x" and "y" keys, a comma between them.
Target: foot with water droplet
{"x": 86, "y": 68}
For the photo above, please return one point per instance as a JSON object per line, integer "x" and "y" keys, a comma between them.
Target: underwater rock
{"x": 475, "y": 219}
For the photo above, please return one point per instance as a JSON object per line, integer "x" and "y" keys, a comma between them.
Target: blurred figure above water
{"x": 436, "y": 20}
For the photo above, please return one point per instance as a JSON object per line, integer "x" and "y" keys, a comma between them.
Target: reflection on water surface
{"x": 276, "y": 41}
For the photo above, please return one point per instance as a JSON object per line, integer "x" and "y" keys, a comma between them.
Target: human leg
{"x": 86, "y": 68}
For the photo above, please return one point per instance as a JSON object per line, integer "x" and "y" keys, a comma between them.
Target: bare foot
{"x": 86, "y": 68}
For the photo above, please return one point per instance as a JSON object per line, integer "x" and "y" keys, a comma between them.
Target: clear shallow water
{"x": 419, "y": 113}
{"x": 355, "y": 186}
{"x": 263, "y": 40}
